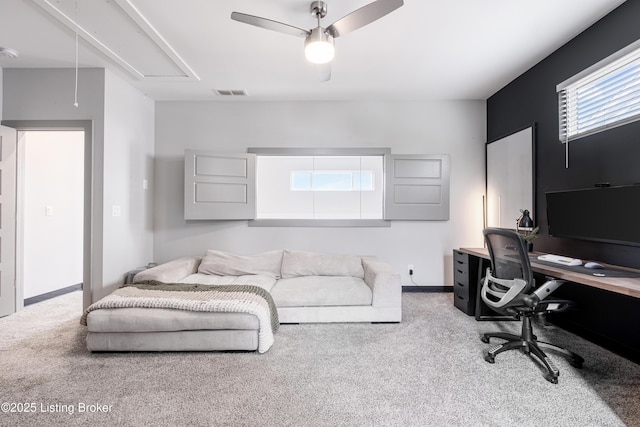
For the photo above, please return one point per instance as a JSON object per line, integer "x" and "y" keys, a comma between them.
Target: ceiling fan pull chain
{"x": 75, "y": 102}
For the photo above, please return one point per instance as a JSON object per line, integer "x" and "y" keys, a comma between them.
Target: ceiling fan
{"x": 318, "y": 45}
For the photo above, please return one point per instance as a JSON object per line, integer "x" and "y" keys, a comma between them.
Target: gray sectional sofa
{"x": 306, "y": 287}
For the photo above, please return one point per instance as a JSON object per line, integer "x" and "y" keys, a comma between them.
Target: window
{"x": 315, "y": 187}
{"x": 319, "y": 187}
{"x": 327, "y": 180}
{"x": 603, "y": 96}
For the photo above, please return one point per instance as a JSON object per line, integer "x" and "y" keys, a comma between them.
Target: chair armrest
{"x": 171, "y": 271}
{"x": 384, "y": 282}
{"x": 554, "y": 306}
{"x": 497, "y": 297}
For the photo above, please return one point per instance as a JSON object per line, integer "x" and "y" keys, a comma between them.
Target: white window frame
{"x": 292, "y": 187}
{"x": 286, "y": 151}
{"x": 569, "y": 114}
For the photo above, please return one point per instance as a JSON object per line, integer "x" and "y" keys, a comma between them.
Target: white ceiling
{"x": 184, "y": 49}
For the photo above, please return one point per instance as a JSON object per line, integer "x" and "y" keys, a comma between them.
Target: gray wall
{"x": 128, "y": 160}
{"x": 1, "y": 78}
{"x": 122, "y": 141}
{"x": 456, "y": 128}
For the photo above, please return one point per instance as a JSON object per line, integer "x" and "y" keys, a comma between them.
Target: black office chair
{"x": 509, "y": 288}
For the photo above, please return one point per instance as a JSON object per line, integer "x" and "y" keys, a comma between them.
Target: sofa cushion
{"x": 321, "y": 291}
{"x": 171, "y": 271}
{"x": 302, "y": 263}
{"x": 228, "y": 264}
{"x": 165, "y": 319}
{"x": 265, "y": 282}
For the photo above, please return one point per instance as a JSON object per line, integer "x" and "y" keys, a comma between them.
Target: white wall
{"x": 53, "y": 195}
{"x": 456, "y": 128}
{"x": 128, "y": 162}
{"x": 121, "y": 155}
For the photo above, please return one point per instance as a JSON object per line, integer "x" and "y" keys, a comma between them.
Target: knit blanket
{"x": 194, "y": 297}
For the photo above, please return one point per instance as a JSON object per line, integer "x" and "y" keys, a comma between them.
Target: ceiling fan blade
{"x": 363, "y": 16}
{"x": 269, "y": 24}
{"x": 324, "y": 71}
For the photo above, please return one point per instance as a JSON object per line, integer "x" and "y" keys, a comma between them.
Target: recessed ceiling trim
{"x": 150, "y": 30}
{"x": 137, "y": 21}
{"x": 71, "y": 23}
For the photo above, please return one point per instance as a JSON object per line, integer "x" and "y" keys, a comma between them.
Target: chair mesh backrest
{"x": 509, "y": 255}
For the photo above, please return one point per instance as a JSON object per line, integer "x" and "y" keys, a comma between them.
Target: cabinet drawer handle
{"x": 460, "y": 262}
{"x": 459, "y": 271}
{"x": 459, "y": 284}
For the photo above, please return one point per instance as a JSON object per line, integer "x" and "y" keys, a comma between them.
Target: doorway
{"x": 90, "y": 225}
{"x": 50, "y": 193}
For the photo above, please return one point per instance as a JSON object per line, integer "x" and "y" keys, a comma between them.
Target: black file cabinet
{"x": 465, "y": 278}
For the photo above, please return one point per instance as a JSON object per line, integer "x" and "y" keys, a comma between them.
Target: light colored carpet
{"x": 426, "y": 371}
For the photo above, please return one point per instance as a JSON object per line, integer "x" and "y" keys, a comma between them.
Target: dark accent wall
{"x": 610, "y": 156}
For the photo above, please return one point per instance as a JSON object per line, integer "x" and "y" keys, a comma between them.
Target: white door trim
{"x": 8, "y": 141}
{"x": 91, "y": 258}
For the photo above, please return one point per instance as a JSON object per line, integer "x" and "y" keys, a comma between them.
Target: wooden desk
{"x": 622, "y": 285}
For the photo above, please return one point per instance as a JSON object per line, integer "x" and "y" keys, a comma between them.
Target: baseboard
{"x": 52, "y": 294}
{"x": 427, "y": 288}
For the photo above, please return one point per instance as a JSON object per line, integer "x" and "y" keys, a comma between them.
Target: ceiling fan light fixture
{"x": 318, "y": 47}
{"x": 318, "y": 44}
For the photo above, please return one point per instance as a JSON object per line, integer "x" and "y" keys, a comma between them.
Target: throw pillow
{"x": 228, "y": 264}
{"x": 302, "y": 263}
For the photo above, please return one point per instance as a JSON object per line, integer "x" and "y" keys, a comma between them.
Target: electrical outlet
{"x": 410, "y": 269}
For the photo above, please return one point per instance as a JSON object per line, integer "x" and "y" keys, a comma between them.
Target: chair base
{"x": 527, "y": 342}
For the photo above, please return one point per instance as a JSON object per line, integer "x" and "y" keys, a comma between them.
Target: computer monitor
{"x": 607, "y": 214}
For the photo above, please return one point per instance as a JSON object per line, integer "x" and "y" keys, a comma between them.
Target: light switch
{"x": 145, "y": 184}
{"x": 49, "y": 211}
{"x": 115, "y": 210}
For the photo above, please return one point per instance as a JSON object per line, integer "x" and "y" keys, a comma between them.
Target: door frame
{"x": 89, "y": 211}
{"x": 8, "y": 137}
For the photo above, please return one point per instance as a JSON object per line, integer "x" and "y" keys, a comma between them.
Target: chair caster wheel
{"x": 484, "y": 339}
{"x": 489, "y": 358}
{"x": 551, "y": 378}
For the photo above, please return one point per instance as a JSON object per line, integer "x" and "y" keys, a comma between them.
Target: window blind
{"x": 601, "y": 97}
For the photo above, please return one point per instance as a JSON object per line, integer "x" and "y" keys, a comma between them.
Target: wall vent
{"x": 231, "y": 92}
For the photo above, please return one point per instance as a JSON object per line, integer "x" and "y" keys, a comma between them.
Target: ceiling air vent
{"x": 231, "y": 92}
